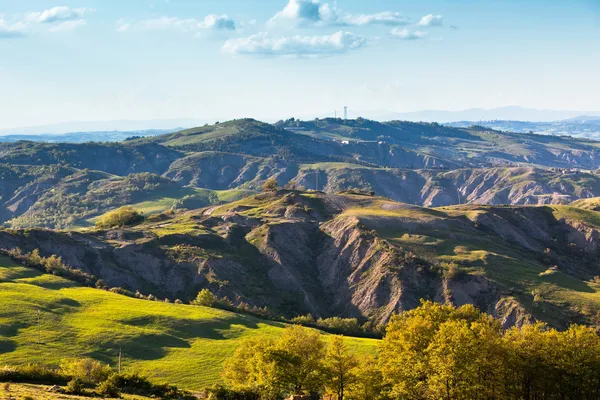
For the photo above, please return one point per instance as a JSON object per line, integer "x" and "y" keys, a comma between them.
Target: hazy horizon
{"x": 511, "y": 113}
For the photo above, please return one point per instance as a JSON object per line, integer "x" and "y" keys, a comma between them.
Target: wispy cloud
{"x": 295, "y": 46}
{"x": 301, "y": 13}
{"x": 58, "y": 14}
{"x": 382, "y": 18}
{"x": 431, "y": 20}
{"x": 210, "y": 22}
{"x": 406, "y": 34}
{"x": 123, "y": 26}
{"x": 68, "y": 25}
{"x": 10, "y": 31}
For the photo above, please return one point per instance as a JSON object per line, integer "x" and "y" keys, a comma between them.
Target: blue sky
{"x": 78, "y": 60}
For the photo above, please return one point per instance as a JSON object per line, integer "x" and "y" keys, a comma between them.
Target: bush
{"x": 124, "y": 216}
{"x": 221, "y": 393}
{"x": 108, "y": 388}
{"x": 270, "y": 185}
{"x": 75, "y": 386}
{"x": 206, "y": 298}
{"x": 87, "y": 370}
{"x": 33, "y": 373}
{"x": 52, "y": 265}
{"x": 141, "y": 386}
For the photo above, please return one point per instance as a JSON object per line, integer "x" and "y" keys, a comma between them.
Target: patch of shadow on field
{"x": 68, "y": 302}
{"x": 54, "y": 285}
{"x": 60, "y": 307}
{"x": 216, "y": 329}
{"x": 7, "y": 346}
{"x": 144, "y": 347}
{"x": 22, "y": 273}
{"x": 11, "y": 329}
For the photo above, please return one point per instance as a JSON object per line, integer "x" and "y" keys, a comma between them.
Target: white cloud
{"x": 58, "y": 14}
{"x": 219, "y": 23}
{"x": 68, "y": 25}
{"x": 431, "y": 20}
{"x": 294, "y": 46}
{"x": 123, "y": 26}
{"x": 405, "y": 34}
{"x": 210, "y": 22}
{"x": 312, "y": 13}
{"x": 8, "y": 31}
{"x": 382, "y": 18}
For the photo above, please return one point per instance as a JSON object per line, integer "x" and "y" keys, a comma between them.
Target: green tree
{"x": 439, "y": 351}
{"x": 298, "y": 361}
{"x": 340, "y": 366}
{"x": 86, "y": 370}
{"x": 124, "y": 216}
{"x": 464, "y": 361}
{"x": 368, "y": 381}
{"x": 292, "y": 364}
{"x": 206, "y": 298}
{"x": 251, "y": 369}
{"x": 270, "y": 185}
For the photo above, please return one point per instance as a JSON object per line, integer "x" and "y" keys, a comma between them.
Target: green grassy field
{"x": 177, "y": 344}
{"x": 165, "y": 202}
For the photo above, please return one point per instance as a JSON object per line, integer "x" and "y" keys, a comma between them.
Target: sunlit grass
{"x": 171, "y": 343}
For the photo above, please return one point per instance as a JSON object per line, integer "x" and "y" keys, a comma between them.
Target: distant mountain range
{"x": 84, "y": 137}
{"x": 107, "y": 126}
{"x": 583, "y": 126}
{"x": 512, "y": 113}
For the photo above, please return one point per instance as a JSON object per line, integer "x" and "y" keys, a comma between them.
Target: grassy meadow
{"x": 170, "y": 343}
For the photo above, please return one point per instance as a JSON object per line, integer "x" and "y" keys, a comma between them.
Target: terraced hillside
{"x": 171, "y": 343}
{"x": 350, "y": 255}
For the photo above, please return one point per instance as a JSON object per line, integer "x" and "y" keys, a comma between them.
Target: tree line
{"x": 432, "y": 352}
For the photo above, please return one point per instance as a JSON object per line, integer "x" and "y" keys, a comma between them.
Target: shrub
{"x": 221, "y": 393}
{"x": 138, "y": 385}
{"x": 206, "y": 298}
{"x": 124, "y": 216}
{"x": 6, "y": 387}
{"x": 52, "y": 265}
{"x": 87, "y": 370}
{"x": 124, "y": 292}
{"x": 108, "y": 388}
{"x": 33, "y": 373}
{"x": 270, "y": 185}
{"x": 75, "y": 386}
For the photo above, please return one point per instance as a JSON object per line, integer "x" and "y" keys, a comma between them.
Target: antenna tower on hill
{"x": 345, "y": 112}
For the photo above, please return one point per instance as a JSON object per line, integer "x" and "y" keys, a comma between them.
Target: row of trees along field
{"x": 432, "y": 352}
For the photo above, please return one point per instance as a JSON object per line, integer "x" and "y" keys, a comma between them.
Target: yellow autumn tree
{"x": 340, "y": 365}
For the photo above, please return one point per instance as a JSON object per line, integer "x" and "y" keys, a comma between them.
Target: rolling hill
{"x": 350, "y": 255}
{"x": 68, "y": 185}
{"x": 171, "y": 343}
